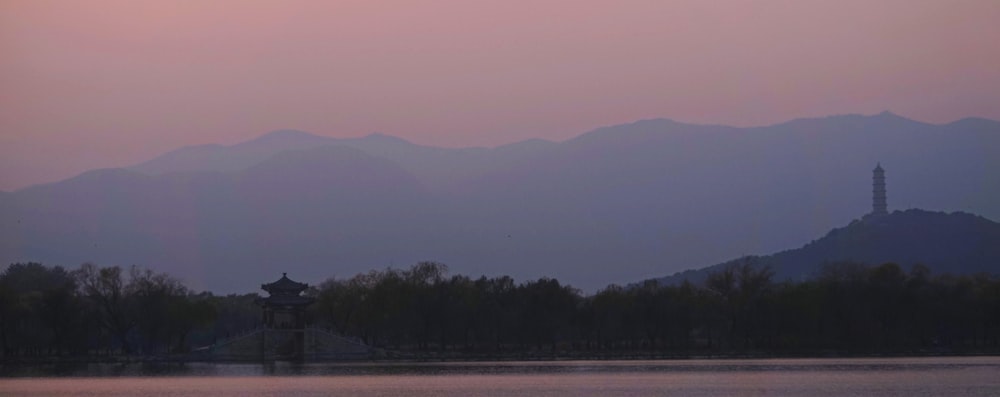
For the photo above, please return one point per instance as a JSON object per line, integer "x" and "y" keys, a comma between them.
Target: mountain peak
{"x": 287, "y": 134}
{"x": 855, "y": 121}
{"x": 637, "y": 130}
{"x": 889, "y": 116}
{"x": 976, "y": 123}
{"x": 384, "y": 138}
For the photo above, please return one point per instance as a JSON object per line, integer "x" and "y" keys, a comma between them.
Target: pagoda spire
{"x": 879, "y": 206}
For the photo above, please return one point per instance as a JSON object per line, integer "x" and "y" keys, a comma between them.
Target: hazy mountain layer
{"x": 617, "y": 204}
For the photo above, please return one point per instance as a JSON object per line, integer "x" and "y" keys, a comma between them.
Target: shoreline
{"x": 422, "y": 358}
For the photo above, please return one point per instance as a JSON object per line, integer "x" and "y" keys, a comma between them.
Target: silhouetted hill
{"x": 956, "y": 243}
{"x": 616, "y": 204}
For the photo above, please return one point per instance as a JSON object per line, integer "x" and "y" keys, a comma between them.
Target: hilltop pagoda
{"x": 879, "y": 206}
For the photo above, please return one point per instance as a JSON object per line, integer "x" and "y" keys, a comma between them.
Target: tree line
{"x": 848, "y": 308}
{"x": 105, "y": 311}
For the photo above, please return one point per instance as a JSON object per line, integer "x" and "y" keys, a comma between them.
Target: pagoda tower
{"x": 879, "y": 206}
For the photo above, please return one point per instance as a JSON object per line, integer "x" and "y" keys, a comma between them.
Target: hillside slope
{"x": 956, "y": 243}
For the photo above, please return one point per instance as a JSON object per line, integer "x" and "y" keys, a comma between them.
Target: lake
{"x": 926, "y": 376}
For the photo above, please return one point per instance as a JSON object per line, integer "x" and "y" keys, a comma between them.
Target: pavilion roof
{"x": 284, "y": 286}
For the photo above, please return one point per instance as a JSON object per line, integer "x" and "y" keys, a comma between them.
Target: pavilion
{"x": 283, "y": 316}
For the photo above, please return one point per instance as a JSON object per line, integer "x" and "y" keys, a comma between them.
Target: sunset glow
{"x": 110, "y": 83}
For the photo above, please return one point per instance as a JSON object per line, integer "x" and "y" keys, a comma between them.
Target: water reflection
{"x": 964, "y": 376}
{"x": 280, "y": 368}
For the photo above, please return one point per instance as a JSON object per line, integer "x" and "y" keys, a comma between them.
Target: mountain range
{"x": 613, "y": 205}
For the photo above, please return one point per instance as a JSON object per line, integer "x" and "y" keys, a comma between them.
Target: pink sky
{"x": 88, "y": 84}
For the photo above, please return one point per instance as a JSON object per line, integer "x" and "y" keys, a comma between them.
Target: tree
{"x": 163, "y": 302}
{"x": 886, "y": 291}
{"x": 741, "y": 287}
{"x": 39, "y": 309}
{"x": 185, "y": 314}
{"x": 115, "y": 308}
{"x": 547, "y": 310}
{"x": 497, "y": 310}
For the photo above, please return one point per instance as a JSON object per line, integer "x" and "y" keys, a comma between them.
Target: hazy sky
{"x": 87, "y": 84}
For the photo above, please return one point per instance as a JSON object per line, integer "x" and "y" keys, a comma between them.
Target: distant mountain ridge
{"x": 435, "y": 166}
{"x": 220, "y": 158}
{"x": 613, "y": 205}
{"x": 954, "y": 243}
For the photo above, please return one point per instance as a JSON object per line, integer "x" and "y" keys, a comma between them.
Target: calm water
{"x": 965, "y": 376}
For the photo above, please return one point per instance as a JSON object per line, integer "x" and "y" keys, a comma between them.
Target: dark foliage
{"x": 849, "y": 308}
